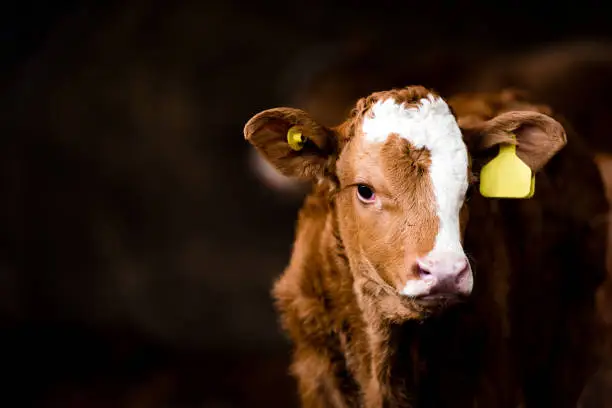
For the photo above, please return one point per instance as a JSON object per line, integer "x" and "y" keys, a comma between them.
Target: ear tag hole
{"x": 507, "y": 176}
{"x": 295, "y": 138}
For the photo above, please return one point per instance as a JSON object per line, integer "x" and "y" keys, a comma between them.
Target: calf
{"x": 379, "y": 297}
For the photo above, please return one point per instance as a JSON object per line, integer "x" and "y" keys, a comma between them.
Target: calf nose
{"x": 446, "y": 273}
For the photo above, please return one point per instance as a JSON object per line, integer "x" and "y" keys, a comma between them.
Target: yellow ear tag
{"x": 295, "y": 138}
{"x": 507, "y": 176}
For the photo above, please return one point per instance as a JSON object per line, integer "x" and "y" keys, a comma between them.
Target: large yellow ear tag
{"x": 507, "y": 176}
{"x": 295, "y": 138}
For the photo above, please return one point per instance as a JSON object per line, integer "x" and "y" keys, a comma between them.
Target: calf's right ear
{"x": 268, "y": 132}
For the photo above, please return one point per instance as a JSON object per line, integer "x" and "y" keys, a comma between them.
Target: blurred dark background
{"x": 139, "y": 244}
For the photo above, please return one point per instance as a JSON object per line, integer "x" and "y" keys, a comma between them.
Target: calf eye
{"x": 365, "y": 193}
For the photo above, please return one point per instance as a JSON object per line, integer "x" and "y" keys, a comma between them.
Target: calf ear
{"x": 267, "y": 132}
{"x": 538, "y": 136}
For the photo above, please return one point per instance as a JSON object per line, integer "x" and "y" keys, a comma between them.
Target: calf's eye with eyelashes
{"x": 365, "y": 193}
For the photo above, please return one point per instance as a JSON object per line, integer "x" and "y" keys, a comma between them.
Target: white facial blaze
{"x": 430, "y": 125}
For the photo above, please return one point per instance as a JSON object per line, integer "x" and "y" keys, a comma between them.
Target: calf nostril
{"x": 423, "y": 268}
{"x": 423, "y": 271}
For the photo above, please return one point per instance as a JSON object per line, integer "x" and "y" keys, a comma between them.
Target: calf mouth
{"x": 439, "y": 300}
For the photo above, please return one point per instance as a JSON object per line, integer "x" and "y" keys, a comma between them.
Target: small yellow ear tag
{"x": 295, "y": 138}
{"x": 507, "y": 176}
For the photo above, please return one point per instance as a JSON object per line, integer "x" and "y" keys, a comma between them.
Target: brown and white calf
{"x": 379, "y": 296}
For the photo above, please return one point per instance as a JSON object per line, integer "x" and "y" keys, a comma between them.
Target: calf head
{"x": 399, "y": 172}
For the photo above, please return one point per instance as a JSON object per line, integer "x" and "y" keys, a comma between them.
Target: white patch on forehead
{"x": 430, "y": 125}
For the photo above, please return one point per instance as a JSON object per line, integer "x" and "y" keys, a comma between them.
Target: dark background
{"x": 138, "y": 248}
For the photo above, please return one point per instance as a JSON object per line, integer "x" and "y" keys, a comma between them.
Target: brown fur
{"x": 358, "y": 343}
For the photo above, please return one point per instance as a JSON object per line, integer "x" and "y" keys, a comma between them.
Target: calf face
{"x": 404, "y": 175}
{"x": 399, "y": 170}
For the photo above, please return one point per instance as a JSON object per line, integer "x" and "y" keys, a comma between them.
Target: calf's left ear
{"x": 294, "y": 143}
{"x": 538, "y": 137}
